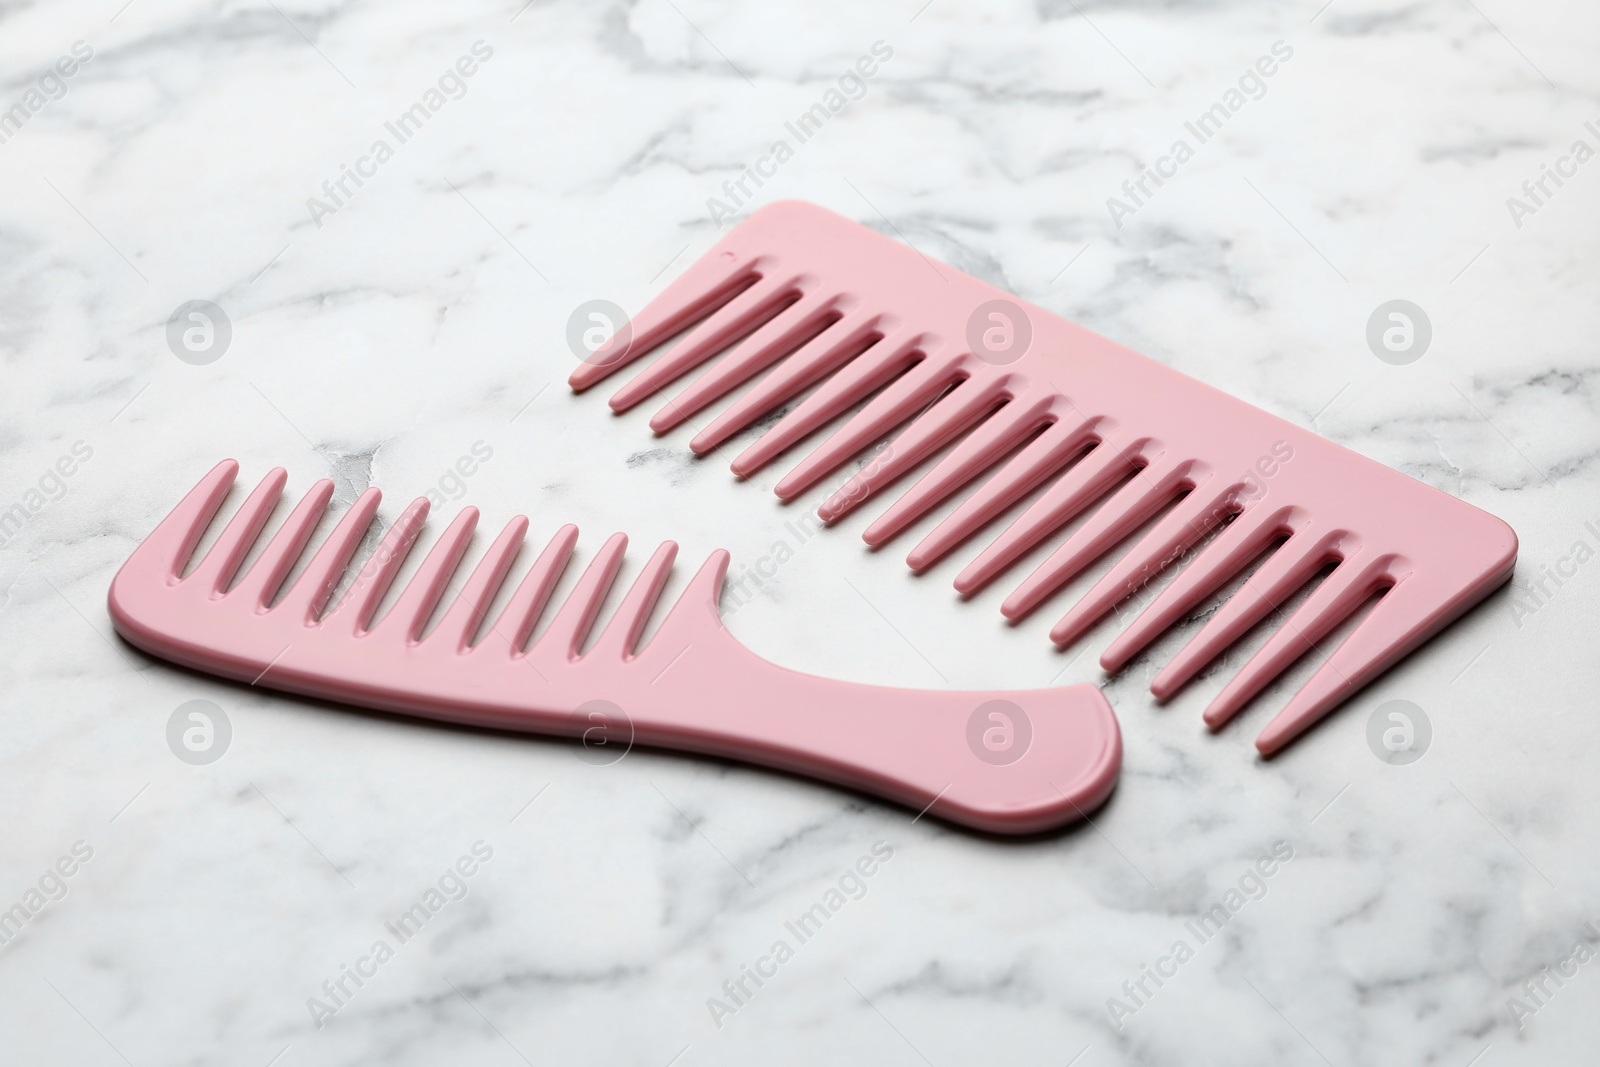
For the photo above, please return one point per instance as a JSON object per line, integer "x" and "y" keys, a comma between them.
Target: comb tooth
{"x": 621, "y": 634}
{"x": 575, "y": 617}
{"x": 1396, "y": 624}
{"x": 1081, "y": 486}
{"x": 471, "y": 605}
{"x": 1345, "y": 590}
{"x": 879, "y": 364}
{"x": 527, "y": 603}
{"x": 721, "y": 328}
{"x": 820, "y": 356}
{"x": 1042, "y": 457}
{"x": 991, "y": 439}
{"x": 786, "y": 331}
{"x": 1223, "y": 558}
{"x": 1128, "y": 509}
{"x": 421, "y": 594}
{"x": 372, "y": 581}
{"x": 262, "y": 579}
{"x": 885, "y": 411}
{"x": 954, "y": 414}
{"x": 218, "y": 568}
{"x": 311, "y": 591}
{"x": 707, "y": 281}
{"x": 1289, "y": 568}
{"x": 1157, "y": 550}
{"x": 171, "y": 543}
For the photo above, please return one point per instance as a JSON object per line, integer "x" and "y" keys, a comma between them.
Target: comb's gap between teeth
{"x": 1068, "y": 501}
{"x": 266, "y": 566}
{"x": 1125, "y": 611}
{"x": 1298, "y": 634}
{"x": 1213, "y": 573}
{"x": 1153, "y": 560}
{"x": 211, "y": 529}
{"x": 1290, "y": 678}
{"x": 892, "y": 412}
{"x": 468, "y": 604}
{"x": 382, "y": 577}
{"x": 858, "y": 382}
{"x": 579, "y": 559}
{"x": 766, "y": 430}
{"x": 940, "y": 425}
{"x": 619, "y": 626}
{"x": 1074, "y": 588}
{"x": 275, "y": 520}
{"x": 426, "y": 595}
{"x": 1020, "y": 478}
{"x": 651, "y": 329}
{"x": 690, "y": 350}
{"x": 1227, "y": 660}
{"x": 991, "y": 441}
{"x": 726, "y": 376}
{"x": 796, "y": 324}
{"x": 784, "y": 386}
{"x": 322, "y": 527}
{"x": 531, "y": 594}
{"x": 673, "y": 587}
{"x": 576, "y": 615}
{"x": 220, "y": 565}
{"x": 604, "y": 613}
{"x": 1153, "y": 492}
{"x": 1103, "y": 561}
{"x": 342, "y": 580}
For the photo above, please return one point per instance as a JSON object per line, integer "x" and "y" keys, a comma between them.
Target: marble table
{"x": 397, "y": 315}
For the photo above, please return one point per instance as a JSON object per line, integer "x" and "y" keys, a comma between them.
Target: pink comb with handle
{"x": 823, "y": 301}
{"x": 1008, "y": 762}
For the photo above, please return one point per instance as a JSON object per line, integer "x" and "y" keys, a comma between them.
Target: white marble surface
{"x": 428, "y": 312}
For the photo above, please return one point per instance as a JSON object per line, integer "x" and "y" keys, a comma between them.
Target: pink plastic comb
{"x": 1012, "y": 762}
{"x": 821, "y": 299}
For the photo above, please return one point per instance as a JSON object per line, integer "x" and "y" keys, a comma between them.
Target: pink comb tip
{"x": 1006, "y": 762}
{"x": 1109, "y": 433}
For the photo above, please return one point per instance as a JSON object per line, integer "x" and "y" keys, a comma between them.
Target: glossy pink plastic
{"x": 1007, "y": 762}
{"x": 819, "y": 301}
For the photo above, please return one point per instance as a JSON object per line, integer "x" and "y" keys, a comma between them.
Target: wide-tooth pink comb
{"x": 1009, "y": 762}
{"x": 826, "y": 302}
